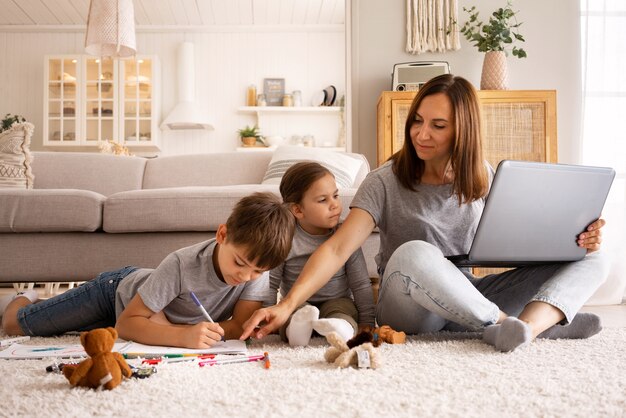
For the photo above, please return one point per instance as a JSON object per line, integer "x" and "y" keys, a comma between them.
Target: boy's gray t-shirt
{"x": 431, "y": 214}
{"x": 167, "y": 287}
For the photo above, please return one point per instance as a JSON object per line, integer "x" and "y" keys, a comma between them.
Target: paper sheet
{"x": 22, "y": 351}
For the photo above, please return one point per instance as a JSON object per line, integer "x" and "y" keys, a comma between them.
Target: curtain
{"x": 431, "y": 25}
{"x": 603, "y": 46}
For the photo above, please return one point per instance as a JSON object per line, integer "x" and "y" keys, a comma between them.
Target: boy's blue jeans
{"x": 421, "y": 291}
{"x": 88, "y": 306}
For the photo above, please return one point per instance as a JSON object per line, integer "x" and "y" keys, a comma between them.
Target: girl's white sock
{"x": 300, "y": 328}
{"x": 342, "y": 327}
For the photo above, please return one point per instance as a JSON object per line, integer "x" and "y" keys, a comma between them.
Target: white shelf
{"x": 290, "y": 109}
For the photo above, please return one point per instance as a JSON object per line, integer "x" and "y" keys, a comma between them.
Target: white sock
{"x": 31, "y": 294}
{"x": 342, "y": 327}
{"x": 300, "y": 328}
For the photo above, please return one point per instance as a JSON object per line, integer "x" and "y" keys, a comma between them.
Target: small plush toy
{"x": 360, "y": 356}
{"x": 388, "y": 335}
{"x": 377, "y": 336}
{"x": 103, "y": 369}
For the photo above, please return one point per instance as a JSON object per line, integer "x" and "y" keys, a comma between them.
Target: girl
{"x": 311, "y": 193}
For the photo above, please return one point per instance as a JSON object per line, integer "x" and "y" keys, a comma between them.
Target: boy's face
{"x": 231, "y": 264}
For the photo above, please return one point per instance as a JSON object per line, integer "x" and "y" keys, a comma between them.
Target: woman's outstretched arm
{"x": 320, "y": 267}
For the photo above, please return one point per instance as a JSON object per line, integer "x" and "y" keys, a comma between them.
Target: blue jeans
{"x": 88, "y": 306}
{"x": 421, "y": 291}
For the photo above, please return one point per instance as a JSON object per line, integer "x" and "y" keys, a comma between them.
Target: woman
{"x": 426, "y": 202}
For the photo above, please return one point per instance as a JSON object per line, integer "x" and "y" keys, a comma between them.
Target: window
{"x": 603, "y": 35}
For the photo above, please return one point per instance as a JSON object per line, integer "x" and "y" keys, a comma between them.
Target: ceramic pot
{"x": 249, "y": 141}
{"x": 495, "y": 74}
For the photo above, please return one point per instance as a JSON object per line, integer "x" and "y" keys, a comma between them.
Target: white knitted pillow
{"x": 15, "y": 157}
{"x": 343, "y": 166}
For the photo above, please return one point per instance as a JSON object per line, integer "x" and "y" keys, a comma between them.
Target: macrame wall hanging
{"x": 431, "y": 26}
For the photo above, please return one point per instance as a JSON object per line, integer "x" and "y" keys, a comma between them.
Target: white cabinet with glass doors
{"x": 88, "y": 99}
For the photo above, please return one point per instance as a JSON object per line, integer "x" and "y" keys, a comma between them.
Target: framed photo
{"x": 274, "y": 90}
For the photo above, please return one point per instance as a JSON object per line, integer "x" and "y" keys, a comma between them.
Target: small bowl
{"x": 274, "y": 140}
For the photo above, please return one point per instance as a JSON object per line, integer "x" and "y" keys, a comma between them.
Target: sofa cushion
{"x": 218, "y": 169}
{"x": 348, "y": 169}
{"x": 101, "y": 173}
{"x": 182, "y": 208}
{"x": 15, "y": 157}
{"x": 57, "y": 210}
{"x": 174, "y": 209}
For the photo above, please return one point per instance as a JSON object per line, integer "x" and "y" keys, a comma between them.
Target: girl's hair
{"x": 264, "y": 227}
{"x": 299, "y": 178}
{"x": 471, "y": 181}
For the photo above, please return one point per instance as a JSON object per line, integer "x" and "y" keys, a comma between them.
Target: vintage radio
{"x": 409, "y": 76}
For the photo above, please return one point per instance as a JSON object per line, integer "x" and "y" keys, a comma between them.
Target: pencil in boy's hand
{"x": 197, "y": 302}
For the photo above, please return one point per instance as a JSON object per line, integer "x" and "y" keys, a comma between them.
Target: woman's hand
{"x": 592, "y": 237}
{"x": 272, "y": 318}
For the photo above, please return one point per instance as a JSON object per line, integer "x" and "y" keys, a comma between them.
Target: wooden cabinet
{"x": 517, "y": 124}
{"x": 89, "y": 99}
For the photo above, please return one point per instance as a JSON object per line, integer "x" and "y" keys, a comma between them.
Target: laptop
{"x": 534, "y": 212}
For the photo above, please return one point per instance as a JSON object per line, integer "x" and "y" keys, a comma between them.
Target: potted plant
{"x": 10, "y": 120}
{"x": 495, "y": 38}
{"x": 249, "y": 135}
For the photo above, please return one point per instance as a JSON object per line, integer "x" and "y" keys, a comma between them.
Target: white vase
{"x": 495, "y": 74}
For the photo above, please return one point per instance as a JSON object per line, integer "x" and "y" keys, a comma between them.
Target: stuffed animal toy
{"x": 388, "y": 335}
{"x": 361, "y": 356}
{"x": 377, "y": 336}
{"x": 103, "y": 369}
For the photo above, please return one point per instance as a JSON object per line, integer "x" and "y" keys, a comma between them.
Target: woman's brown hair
{"x": 471, "y": 180}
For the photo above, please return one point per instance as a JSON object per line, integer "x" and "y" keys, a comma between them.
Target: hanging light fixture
{"x": 111, "y": 29}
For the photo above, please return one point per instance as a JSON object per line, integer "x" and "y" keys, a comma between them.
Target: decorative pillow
{"x": 343, "y": 166}
{"x": 15, "y": 157}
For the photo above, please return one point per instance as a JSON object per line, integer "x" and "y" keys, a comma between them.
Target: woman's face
{"x": 432, "y": 131}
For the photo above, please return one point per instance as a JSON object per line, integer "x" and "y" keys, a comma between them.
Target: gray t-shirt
{"x": 351, "y": 281}
{"x": 431, "y": 213}
{"x": 167, "y": 287}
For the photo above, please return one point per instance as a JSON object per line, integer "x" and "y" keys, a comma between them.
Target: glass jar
{"x": 251, "y": 95}
{"x": 297, "y": 98}
{"x": 260, "y": 100}
{"x": 308, "y": 141}
{"x": 287, "y": 100}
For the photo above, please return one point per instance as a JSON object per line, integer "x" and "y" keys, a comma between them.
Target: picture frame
{"x": 274, "y": 90}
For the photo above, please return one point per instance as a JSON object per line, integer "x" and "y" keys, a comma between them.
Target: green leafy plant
{"x": 9, "y": 120}
{"x": 496, "y": 35}
{"x": 249, "y": 132}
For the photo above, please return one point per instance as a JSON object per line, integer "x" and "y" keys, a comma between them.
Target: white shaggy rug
{"x": 434, "y": 375}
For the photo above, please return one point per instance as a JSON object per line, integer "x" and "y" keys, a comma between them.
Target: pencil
{"x": 204, "y": 312}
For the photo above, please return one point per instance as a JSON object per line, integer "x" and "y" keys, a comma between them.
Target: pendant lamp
{"x": 111, "y": 29}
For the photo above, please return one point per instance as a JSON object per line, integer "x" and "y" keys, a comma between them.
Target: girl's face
{"x": 320, "y": 207}
{"x": 432, "y": 131}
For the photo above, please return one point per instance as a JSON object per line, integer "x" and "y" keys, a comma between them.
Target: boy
{"x": 154, "y": 306}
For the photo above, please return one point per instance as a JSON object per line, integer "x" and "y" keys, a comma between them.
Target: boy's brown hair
{"x": 298, "y": 178}
{"x": 263, "y": 226}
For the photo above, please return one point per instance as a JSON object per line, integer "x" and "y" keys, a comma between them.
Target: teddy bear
{"x": 339, "y": 353}
{"x": 104, "y": 369}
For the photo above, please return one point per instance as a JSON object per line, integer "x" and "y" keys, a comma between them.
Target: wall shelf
{"x": 323, "y": 123}
{"x": 290, "y": 109}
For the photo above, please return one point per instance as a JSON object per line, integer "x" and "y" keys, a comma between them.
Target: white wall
{"x": 226, "y": 63}
{"x": 552, "y": 33}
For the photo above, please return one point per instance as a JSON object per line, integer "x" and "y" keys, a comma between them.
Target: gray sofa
{"x": 92, "y": 212}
